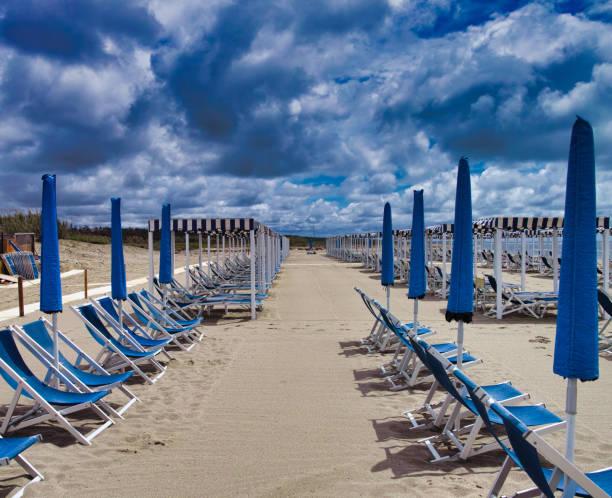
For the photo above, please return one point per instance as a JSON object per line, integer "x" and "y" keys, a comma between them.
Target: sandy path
{"x": 289, "y": 405}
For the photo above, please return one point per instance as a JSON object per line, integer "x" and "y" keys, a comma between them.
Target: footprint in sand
{"x": 540, "y": 339}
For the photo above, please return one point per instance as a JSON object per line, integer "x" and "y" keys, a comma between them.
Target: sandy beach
{"x": 290, "y": 405}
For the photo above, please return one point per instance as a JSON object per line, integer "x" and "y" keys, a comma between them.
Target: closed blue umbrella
{"x": 576, "y": 342}
{"x": 165, "y": 247}
{"x": 310, "y": 243}
{"x": 387, "y": 277}
{"x": 417, "y": 286}
{"x": 460, "y": 305}
{"x": 165, "y": 251}
{"x": 118, "y": 283}
{"x": 50, "y": 280}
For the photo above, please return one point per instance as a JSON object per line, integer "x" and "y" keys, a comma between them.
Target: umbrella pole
{"x": 415, "y": 321}
{"x": 388, "y": 298}
{"x": 459, "y": 343}
{"x": 571, "y": 409}
{"x": 120, "y": 314}
{"x": 55, "y": 347}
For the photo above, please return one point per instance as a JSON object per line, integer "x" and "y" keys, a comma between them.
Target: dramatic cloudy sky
{"x": 299, "y": 112}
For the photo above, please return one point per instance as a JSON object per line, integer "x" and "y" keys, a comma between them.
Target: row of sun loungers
{"x": 466, "y": 409}
{"x": 134, "y": 338}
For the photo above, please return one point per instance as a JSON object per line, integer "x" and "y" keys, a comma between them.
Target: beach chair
{"x": 605, "y": 302}
{"x": 410, "y": 368}
{"x": 137, "y": 335}
{"x": 85, "y": 373}
{"x": 531, "y": 415}
{"x": 49, "y": 403}
{"x": 115, "y": 356}
{"x": 11, "y": 448}
{"x": 534, "y": 304}
{"x": 159, "y": 323}
{"x": 526, "y": 447}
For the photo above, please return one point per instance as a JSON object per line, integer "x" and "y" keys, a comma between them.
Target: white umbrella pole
{"x": 120, "y": 314}
{"x": 55, "y": 346}
{"x": 388, "y": 298}
{"x": 571, "y": 409}
{"x": 459, "y": 343}
{"x": 415, "y": 321}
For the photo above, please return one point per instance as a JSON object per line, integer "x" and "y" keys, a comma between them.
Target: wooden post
{"x": 20, "y": 293}
{"x": 85, "y": 282}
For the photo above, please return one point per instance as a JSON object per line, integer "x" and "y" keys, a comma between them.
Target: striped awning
{"x": 439, "y": 229}
{"x": 207, "y": 226}
{"x": 531, "y": 225}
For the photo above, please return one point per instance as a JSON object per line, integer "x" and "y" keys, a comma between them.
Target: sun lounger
{"x": 116, "y": 356}
{"x": 90, "y": 377}
{"x": 11, "y": 448}
{"x": 526, "y": 447}
{"x": 130, "y": 332}
{"x": 534, "y": 304}
{"x": 605, "y": 301}
{"x": 49, "y": 403}
{"x": 531, "y": 415}
{"x": 159, "y": 323}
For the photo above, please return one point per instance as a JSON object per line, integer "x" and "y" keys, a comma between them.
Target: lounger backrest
{"x": 109, "y": 307}
{"x": 437, "y": 369}
{"x": 524, "y": 451}
{"x": 471, "y": 388}
{"x": 604, "y": 300}
{"x": 12, "y": 357}
{"x": 88, "y": 312}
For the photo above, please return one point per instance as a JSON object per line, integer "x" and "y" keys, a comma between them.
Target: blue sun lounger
{"x": 525, "y": 449}
{"x": 107, "y": 309}
{"x": 114, "y": 355}
{"x": 92, "y": 378}
{"x": 11, "y": 449}
{"x": 49, "y": 403}
{"x": 531, "y": 415}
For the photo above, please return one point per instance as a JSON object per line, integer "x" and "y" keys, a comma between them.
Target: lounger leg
{"x": 500, "y": 479}
{"x": 10, "y": 410}
{"x": 28, "y": 467}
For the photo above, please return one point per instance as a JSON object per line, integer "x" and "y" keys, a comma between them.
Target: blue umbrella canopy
{"x": 460, "y": 304}
{"x": 118, "y": 285}
{"x": 165, "y": 249}
{"x": 388, "y": 274}
{"x": 576, "y": 343}
{"x": 417, "y": 287}
{"x": 50, "y": 281}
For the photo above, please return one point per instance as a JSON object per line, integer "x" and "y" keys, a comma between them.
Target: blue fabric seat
{"x": 12, "y": 357}
{"x": 38, "y": 333}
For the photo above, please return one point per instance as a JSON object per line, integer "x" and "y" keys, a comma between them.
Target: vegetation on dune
{"x": 18, "y": 221}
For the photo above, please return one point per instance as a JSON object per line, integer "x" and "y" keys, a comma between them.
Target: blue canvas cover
{"x": 417, "y": 285}
{"x": 50, "y": 281}
{"x": 460, "y": 304}
{"x": 118, "y": 284}
{"x": 165, "y": 249}
{"x": 388, "y": 274}
{"x": 576, "y": 343}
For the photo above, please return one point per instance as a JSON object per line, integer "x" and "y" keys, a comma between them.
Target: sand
{"x": 290, "y": 405}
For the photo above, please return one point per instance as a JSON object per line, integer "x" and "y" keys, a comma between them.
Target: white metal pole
{"x": 555, "y": 261}
{"x": 252, "y": 241}
{"x": 200, "y": 250}
{"x": 523, "y": 258}
{"x": 217, "y": 249}
{"x": 172, "y": 239}
{"x": 187, "y": 260}
{"x": 208, "y": 253}
{"x": 497, "y": 263}
{"x": 151, "y": 264}
{"x": 606, "y": 258}
{"x": 443, "y": 265}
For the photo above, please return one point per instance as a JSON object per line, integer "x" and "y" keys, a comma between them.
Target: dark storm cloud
{"x": 245, "y": 108}
{"x": 73, "y": 31}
